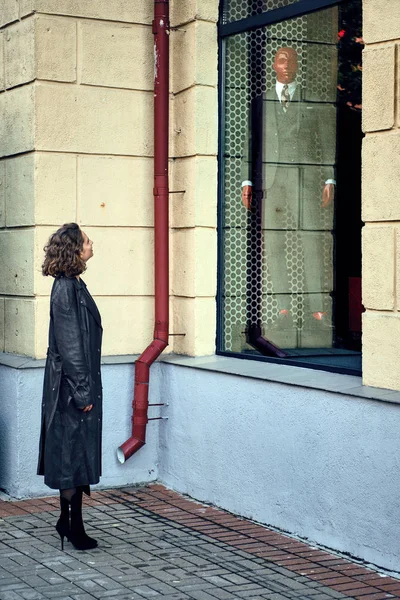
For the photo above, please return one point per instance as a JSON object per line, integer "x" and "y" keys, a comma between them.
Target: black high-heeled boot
{"x": 77, "y": 534}
{"x": 62, "y": 526}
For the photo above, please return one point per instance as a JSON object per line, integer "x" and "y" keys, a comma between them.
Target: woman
{"x": 70, "y": 441}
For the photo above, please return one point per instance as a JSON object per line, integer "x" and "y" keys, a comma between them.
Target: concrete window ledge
{"x": 348, "y": 385}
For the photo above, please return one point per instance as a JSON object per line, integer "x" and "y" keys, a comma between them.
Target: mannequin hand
{"x": 328, "y": 194}
{"x": 88, "y": 408}
{"x": 247, "y": 196}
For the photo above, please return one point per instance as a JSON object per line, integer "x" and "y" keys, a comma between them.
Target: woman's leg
{"x": 78, "y": 536}
{"x": 67, "y": 494}
{"x": 63, "y": 524}
{"x": 70, "y": 523}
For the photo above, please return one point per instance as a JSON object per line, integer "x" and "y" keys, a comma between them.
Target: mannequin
{"x": 288, "y": 175}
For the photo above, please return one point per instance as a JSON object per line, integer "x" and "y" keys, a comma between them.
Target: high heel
{"x": 63, "y": 531}
{"x": 62, "y": 526}
{"x": 62, "y": 535}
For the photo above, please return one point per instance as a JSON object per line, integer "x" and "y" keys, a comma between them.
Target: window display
{"x": 280, "y": 158}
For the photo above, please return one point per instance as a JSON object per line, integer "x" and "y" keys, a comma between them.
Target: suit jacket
{"x": 303, "y": 136}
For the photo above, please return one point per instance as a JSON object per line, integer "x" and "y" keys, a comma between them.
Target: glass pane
{"x": 284, "y": 88}
{"x": 234, "y": 10}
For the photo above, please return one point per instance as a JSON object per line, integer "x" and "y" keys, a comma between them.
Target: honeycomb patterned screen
{"x": 279, "y": 135}
{"x": 234, "y": 10}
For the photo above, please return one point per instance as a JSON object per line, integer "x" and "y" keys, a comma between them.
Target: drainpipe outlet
{"x": 128, "y": 448}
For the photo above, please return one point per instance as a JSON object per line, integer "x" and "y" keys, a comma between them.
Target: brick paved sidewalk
{"x": 154, "y": 543}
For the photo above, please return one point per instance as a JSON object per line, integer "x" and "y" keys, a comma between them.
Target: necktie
{"x": 285, "y": 97}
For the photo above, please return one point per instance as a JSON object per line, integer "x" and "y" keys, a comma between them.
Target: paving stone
{"x": 222, "y": 594}
{"x": 251, "y": 593}
{"x": 274, "y": 596}
{"x": 286, "y": 581}
{"x": 10, "y": 595}
{"x": 110, "y": 593}
{"x": 31, "y": 595}
{"x": 216, "y": 580}
{"x": 162, "y": 588}
{"x": 322, "y": 597}
{"x": 201, "y": 595}
{"x": 127, "y": 596}
{"x": 192, "y": 586}
{"x": 82, "y": 597}
{"x": 176, "y": 596}
{"x": 236, "y": 579}
{"x": 334, "y": 594}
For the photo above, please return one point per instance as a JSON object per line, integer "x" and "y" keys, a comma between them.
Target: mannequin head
{"x": 285, "y": 65}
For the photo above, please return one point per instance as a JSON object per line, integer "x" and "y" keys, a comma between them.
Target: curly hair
{"x": 62, "y": 253}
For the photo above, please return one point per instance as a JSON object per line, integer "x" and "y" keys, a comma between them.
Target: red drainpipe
{"x": 140, "y": 400}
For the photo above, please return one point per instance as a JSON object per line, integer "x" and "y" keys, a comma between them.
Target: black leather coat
{"x": 70, "y": 440}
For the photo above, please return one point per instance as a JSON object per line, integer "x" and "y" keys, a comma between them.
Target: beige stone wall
{"x": 76, "y": 143}
{"x": 193, "y": 170}
{"x": 381, "y": 185}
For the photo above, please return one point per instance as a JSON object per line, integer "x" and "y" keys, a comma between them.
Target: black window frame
{"x": 225, "y": 30}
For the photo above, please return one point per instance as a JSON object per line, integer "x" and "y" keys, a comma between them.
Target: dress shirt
{"x": 279, "y": 88}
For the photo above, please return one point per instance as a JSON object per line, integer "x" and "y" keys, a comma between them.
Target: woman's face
{"x": 87, "y": 250}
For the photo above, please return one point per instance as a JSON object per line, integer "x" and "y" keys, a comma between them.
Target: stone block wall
{"x": 76, "y": 144}
{"x": 381, "y": 184}
{"x": 193, "y": 171}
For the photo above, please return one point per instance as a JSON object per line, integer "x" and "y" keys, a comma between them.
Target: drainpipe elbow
{"x": 128, "y": 448}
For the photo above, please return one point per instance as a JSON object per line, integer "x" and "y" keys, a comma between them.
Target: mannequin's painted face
{"x": 285, "y": 65}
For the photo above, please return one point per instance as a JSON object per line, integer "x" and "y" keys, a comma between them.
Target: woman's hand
{"x": 88, "y": 408}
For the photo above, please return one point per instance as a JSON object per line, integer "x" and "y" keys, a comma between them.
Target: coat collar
{"x": 87, "y": 299}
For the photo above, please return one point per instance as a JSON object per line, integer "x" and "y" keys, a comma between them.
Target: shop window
{"x": 290, "y": 182}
